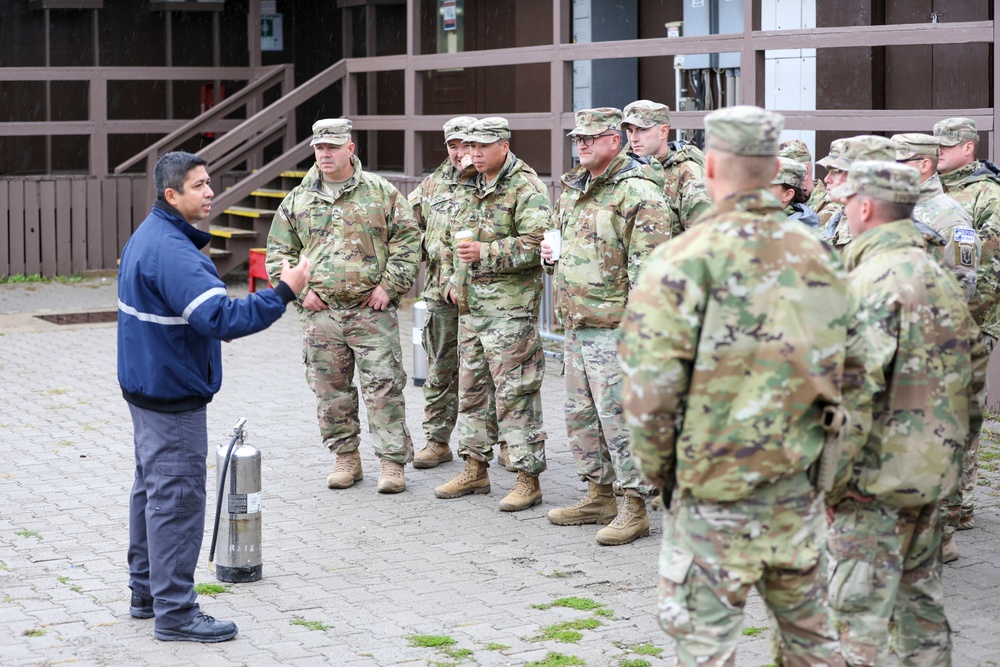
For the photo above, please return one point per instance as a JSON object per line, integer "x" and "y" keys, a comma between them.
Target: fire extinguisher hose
{"x": 219, "y": 492}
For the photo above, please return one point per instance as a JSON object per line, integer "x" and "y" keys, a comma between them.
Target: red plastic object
{"x": 257, "y": 269}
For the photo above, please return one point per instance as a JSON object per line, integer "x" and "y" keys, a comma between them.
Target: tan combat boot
{"x": 433, "y": 454}
{"x": 503, "y": 458}
{"x": 631, "y": 523}
{"x": 598, "y": 506}
{"x": 967, "y": 523}
{"x": 346, "y": 472}
{"x": 473, "y": 479}
{"x": 527, "y": 493}
{"x": 949, "y": 552}
{"x": 391, "y": 480}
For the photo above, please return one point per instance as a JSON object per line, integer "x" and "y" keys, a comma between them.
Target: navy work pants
{"x": 167, "y": 510}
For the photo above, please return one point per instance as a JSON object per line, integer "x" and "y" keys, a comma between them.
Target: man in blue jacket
{"x": 173, "y": 311}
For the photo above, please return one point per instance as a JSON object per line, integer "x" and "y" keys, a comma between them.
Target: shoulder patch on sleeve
{"x": 965, "y": 235}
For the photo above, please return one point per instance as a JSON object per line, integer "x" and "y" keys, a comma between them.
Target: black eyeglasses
{"x": 589, "y": 140}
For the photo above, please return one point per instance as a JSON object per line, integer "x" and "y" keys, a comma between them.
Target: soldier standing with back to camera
{"x": 732, "y": 348}
{"x": 975, "y": 184}
{"x": 610, "y": 217}
{"x": 913, "y": 381}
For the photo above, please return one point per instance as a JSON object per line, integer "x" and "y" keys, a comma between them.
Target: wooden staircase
{"x": 242, "y": 227}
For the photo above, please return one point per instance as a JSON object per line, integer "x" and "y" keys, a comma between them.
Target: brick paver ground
{"x": 349, "y": 576}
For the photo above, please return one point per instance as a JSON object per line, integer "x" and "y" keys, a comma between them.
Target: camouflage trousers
{"x": 501, "y": 356}
{"x": 962, "y": 503}
{"x": 595, "y": 422}
{"x": 440, "y": 341}
{"x": 713, "y": 553}
{"x": 885, "y": 576}
{"x": 334, "y": 340}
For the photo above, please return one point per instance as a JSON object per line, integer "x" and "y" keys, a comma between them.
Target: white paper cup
{"x": 554, "y": 239}
{"x": 464, "y": 235}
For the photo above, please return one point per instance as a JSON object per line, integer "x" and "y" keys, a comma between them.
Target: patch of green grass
{"x": 982, "y": 481}
{"x": 989, "y": 454}
{"x": 647, "y": 649}
{"x": 496, "y": 647}
{"x": 7, "y": 599}
{"x": 431, "y": 641}
{"x": 39, "y": 278}
{"x": 606, "y": 613}
{"x": 312, "y": 625}
{"x": 212, "y": 590}
{"x": 34, "y": 632}
{"x": 753, "y": 631}
{"x": 991, "y": 434}
{"x": 552, "y": 659}
{"x": 63, "y": 579}
{"x": 566, "y": 632}
{"x": 24, "y": 532}
{"x": 557, "y": 574}
{"x": 633, "y": 662}
{"x": 458, "y": 653}
{"x": 3, "y": 566}
{"x": 582, "y": 604}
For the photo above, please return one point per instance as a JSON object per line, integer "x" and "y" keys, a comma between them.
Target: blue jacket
{"x": 173, "y": 311}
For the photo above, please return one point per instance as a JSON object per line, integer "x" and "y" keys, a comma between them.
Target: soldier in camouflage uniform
{"x": 913, "y": 381}
{"x": 732, "y": 346}
{"x": 364, "y": 245}
{"x": 496, "y": 277}
{"x": 975, "y": 185}
{"x": 819, "y": 199}
{"x": 787, "y": 185}
{"x": 842, "y": 155}
{"x": 436, "y": 201}
{"x": 945, "y": 225}
{"x": 647, "y": 125}
{"x": 611, "y": 215}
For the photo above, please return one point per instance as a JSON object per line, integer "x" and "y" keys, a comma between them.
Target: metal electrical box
{"x": 712, "y": 17}
{"x": 606, "y": 83}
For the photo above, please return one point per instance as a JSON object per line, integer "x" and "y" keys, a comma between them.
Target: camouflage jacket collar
{"x": 483, "y": 189}
{"x": 313, "y": 182}
{"x": 622, "y": 166}
{"x": 679, "y": 151}
{"x": 930, "y": 188}
{"x": 884, "y": 238}
{"x": 758, "y": 201}
{"x": 446, "y": 171}
{"x": 970, "y": 173}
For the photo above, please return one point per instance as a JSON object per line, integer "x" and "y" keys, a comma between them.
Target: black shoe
{"x": 142, "y": 606}
{"x": 201, "y": 628}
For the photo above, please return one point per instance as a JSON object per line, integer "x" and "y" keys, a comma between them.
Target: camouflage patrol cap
{"x": 336, "y": 131}
{"x": 643, "y": 113}
{"x": 914, "y": 146}
{"x": 457, "y": 128}
{"x": 744, "y": 130}
{"x": 953, "y": 131}
{"x": 880, "y": 179}
{"x": 861, "y": 147}
{"x": 488, "y": 131}
{"x": 590, "y": 122}
{"x": 790, "y": 173}
{"x": 795, "y": 149}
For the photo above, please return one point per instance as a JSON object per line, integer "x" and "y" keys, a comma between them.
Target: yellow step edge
{"x": 293, "y": 174}
{"x": 231, "y": 232}
{"x": 248, "y": 212}
{"x": 265, "y": 192}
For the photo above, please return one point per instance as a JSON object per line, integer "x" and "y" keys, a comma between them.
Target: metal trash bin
{"x": 419, "y": 354}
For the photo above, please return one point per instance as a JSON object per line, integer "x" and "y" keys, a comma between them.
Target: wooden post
{"x": 560, "y": 88}
{"x": 752, "y": 70}
{"x": 413, "y": 93}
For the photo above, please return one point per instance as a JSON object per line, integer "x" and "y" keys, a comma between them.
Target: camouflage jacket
{"x": 821, "y": 204}
{"x": 977, "y": 188}
{"x": 364, "y": 238}
{"x": 732, "y": 343}
{"x": 436, "y": 202}
{"x": 509, "y": 218}
{"x": 914, "y": 373}
{"x": 959, "y": 249}
{"x": 609, "y": 225}
{"x": 683, "y": 177}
